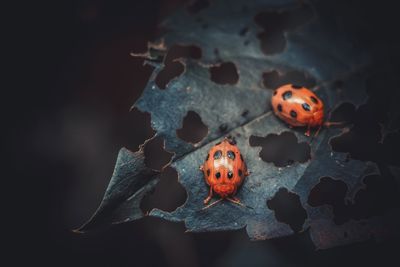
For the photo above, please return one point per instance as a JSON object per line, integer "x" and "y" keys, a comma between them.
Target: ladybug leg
{"x": 208, "y": 198}
{"x": 237, "y": 201}
{"x": 212, "y": 204}
{"x": 233, "y": 199}
{"x": 332, "y": 123}
{"x": 307, "y": 133}
{"x": 319, "y": 129}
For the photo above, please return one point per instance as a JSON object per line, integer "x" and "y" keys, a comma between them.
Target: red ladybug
{"x": 299, "y": 106}
{"x": 224, "y": 171}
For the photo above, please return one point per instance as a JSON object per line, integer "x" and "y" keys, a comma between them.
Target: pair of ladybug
{"x": 225, "y": 169}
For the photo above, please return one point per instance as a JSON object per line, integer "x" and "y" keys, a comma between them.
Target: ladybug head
{"x": 223, "y": 184}
{"x": 224, "y": 189}
{"x": 318, "y": 118}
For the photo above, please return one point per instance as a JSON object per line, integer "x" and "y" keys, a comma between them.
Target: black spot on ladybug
{"x": 231, "y": 154}
{"x": 241, "y": 157}
{"x": 313, "y": 99}
{"x": 230, "y": 174}
{"x": 279, "y": 107}
{"x": 296, "y": 86}
{"x": 275, "y": 92}
{"x": 286, "y": 95}
{"x": 208, "y": 172}
{"x": 240, "y": 172}
{"x": 293, "y": 114}
{"x": 306, "y": 107}
{"x": 208, "y": 156}
{"x": 218, "y": 175}
{"x": 218, "y": 154}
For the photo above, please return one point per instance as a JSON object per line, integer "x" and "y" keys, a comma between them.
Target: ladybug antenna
{"x": 332, "y": 123}
{"x": 315, "y": 135}
{"x": 231, "y": 139}
{"x": 212, "y": 204}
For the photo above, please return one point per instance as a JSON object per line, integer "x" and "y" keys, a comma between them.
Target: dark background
{"x": 67, "y": 112}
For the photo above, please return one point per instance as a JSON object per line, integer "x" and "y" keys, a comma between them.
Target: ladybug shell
{"x": 224, "y": 169}
{"x": 298, "y": 106}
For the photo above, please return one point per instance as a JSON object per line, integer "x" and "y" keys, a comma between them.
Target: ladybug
{"x": 299, "y": 106}
{"x": 224, "y": 171}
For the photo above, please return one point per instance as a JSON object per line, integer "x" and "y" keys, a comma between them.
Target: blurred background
{"x": 74, "y": 85}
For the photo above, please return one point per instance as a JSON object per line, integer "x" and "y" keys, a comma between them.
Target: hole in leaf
{"x": 225, "y": 73}
{"x": 197, "y": 5}
{"x": 362, "y": 141}
{"x": 288, "y": 209}
{"x": 344, "y": 112}
{"x": 156, "y": 157}
{"x": 193, "y": 129}
{"x": 358, "y": 145}
{"x": 182, "y": 51}
{"x": 274, "y": 24}
{"x": 379, "y": 195}
{"x": 134, "y": 136}
{"x": 338, "y": 84}
{"x": 169, "y": 72}
{"x": 391, "y": 148}
{"x": 272, "y": 42}
{"x": 331, "y": 192}
{"x": 282, "y": 150}
{"x": 168, "y": 193}
{"x": 173, "y": 67}
{"x": 274, "y": 79}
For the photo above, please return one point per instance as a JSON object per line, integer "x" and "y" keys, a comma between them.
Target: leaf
{"x": 226, "y": 32}
{"x": 119, "y": 203}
